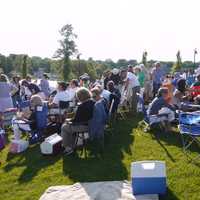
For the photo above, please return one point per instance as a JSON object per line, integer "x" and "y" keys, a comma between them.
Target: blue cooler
{"x": 148, "y": 177}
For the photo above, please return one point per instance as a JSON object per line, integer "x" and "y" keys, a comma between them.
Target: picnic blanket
{"x": 109, "y": 190}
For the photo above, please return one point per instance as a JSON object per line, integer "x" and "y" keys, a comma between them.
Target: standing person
{"x": 44, "y": 85}
{"x": 190, "y": 78}
{"x": 123, "y": 91}
{"x": 115, "y": 95}
{"x": 85, "y": 80}
{"x": 157, "y": 77}
{"x": 141, "y": 76}
{"x": 15, "y": 92}
{"x": 106, "y": 78}
{"x": 115, "y": 77}
{"x": 100, "y": 115}
{"x": 133, "y": 84}
{"x": 5, "y": 93}
{"x": 148, "y": 85}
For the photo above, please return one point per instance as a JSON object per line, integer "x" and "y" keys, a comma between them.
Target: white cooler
{"x": 51, "y": 145}
{"x": 148, "y": 177}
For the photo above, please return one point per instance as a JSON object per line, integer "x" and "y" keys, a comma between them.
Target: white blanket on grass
{"x": 109, "y": 190}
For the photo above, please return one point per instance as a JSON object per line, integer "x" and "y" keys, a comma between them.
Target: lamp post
{"x": 79, "y": 65}
{"x": 195, "y": 53}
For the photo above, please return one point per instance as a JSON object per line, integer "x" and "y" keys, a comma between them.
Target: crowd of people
{"x": 93, "y": 102}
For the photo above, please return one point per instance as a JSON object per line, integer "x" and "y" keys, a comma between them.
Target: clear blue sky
{"x": 106, "y": 28}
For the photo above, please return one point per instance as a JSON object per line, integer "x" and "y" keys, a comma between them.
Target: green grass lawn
{"x": 27, "y": 175}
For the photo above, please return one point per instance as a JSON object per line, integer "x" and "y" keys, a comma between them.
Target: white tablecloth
{"x": 109, "y": 190}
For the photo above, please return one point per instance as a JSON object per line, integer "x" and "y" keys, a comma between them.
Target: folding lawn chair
{"x": 189, "y": 127}
{"x": 81, "y": 136}
{"x": 41, "y": 123}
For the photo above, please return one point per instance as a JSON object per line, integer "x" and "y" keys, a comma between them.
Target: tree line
{"x": 14, "y": 64}
{"x": 62, "y": 66}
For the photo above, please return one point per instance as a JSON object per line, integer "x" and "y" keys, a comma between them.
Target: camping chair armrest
{"x": 23, "y": 121}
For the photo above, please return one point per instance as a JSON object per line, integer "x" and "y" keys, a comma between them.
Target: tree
{"x": 67, "y": 48}
{"x": 2, "y": 63}
{"x": 178, "y": 64}
{"x": 121, "y": 63}
{"x": 24, "y": 66}
{"x": 144, "y": 58}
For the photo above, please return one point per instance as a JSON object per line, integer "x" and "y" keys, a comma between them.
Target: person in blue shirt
{"x": 157, "y": 77}
{"x": 100, "y": 116}
{"x": 159, "y": 102}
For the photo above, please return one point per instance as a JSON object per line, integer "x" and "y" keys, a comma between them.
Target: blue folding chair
{"x": 41, "y": 124}
{"x": 189, "y": 127}
{"x": 41, "y": 113}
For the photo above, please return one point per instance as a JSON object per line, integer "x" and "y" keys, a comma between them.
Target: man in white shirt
{"x": 133, "y": 84}
{"x": 72, "y": 89}
{"x": 62, "y": 95}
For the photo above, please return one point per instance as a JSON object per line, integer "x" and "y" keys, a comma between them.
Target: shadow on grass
{"x": 169, "y": 196}
{"x": 32, "y": 160}
{"x": 171, "y": 139}
{"x": 108, "y": 167}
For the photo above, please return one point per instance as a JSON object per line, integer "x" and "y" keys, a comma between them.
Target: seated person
{"x": 100, "y": 116}
{"x": 180, "y": 94}
{"x": 31, "y": 89}
{"x": 72, "y": 90}
{"x": 115, "y": 95}
{"x": 191, "y": 107}
{"x": 26, "y": 116}
{"x": 80, "y": 122}
{"x": 160, "y": 102}
{"x": 61, "y": 95}
{"x": 197, "y": 100}
{"x": 168, "y": 84}
{"x": 115, "y": 76}
{"x": 195, "y": 88}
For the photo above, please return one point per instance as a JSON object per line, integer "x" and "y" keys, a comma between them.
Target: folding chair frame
{"x": 81, "y": 135}
{"x": 187, "y": 137}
